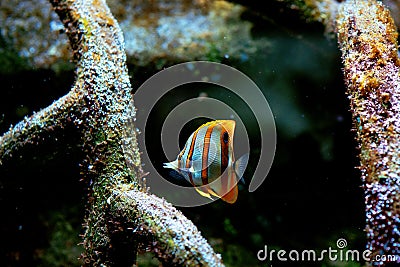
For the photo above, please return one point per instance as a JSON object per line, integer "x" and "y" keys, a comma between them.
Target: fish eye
{"x": 226, "y": 137}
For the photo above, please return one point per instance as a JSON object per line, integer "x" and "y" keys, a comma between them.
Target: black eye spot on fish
{"x": 226, "y": 137}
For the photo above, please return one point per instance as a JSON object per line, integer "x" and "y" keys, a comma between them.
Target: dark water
{"x": 312, "y": 195}
{"x": 310, "y": 199}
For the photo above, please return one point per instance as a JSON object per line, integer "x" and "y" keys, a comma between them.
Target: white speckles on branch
{"x": 176, "y": 235}
{"x": 368, "y": 40}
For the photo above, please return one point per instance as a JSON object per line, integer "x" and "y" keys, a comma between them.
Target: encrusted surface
{"x": 154, "y": 31}
{"x": 367, "y": 37}
{"x": 368, "y": 40}
{"x": 172, "y": 231}
{"x": 99, "y": 107}
{"x": 34, "y": 31}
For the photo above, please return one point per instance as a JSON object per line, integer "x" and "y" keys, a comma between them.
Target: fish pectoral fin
{"x": 202, "y": 193}
{"x": 240, "y": 166}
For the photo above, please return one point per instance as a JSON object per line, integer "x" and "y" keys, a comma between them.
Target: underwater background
{"x": 310, "y": 199}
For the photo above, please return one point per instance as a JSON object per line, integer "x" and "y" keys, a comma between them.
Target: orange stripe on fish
{"x": 204, "y": 158}
{"x": 207, "y": 161}
{"x": 190, "y": 154}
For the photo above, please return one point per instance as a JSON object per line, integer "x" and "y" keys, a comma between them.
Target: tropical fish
{"x": 207, "y": 156}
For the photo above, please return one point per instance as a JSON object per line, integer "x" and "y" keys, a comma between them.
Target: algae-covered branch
{"x": 98, "y": 107}
{"x": 367, "y": 38}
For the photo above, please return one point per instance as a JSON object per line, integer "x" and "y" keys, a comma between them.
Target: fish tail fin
{"x": 171, "y": 165}
{"x": 240, "y": 166}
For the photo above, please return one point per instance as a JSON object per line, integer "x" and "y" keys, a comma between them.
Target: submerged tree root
{"x": 367, "y": 38}
{"x": 121, "y": 216}
{"x": 122, "y": 219}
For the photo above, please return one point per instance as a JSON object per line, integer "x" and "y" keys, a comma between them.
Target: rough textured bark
{"x": 121, "y": 217}
{"x": 367, "y": 38}
{"x": 34, "y": 35}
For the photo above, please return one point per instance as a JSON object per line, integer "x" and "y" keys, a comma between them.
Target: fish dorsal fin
{"x": 240, "y": 165}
